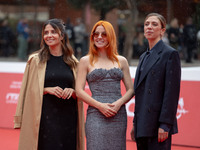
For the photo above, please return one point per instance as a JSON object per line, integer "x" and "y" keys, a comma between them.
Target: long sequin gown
{"x": 104, "y": 133}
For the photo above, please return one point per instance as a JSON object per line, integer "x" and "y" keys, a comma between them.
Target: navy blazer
{"x": 157, "y": 91}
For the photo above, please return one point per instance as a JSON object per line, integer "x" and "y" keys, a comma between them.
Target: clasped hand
{"x": 108, "y": 109}
{"x": 59, "y": 92}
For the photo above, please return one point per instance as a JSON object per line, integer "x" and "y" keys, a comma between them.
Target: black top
{"x": 59, "y": 116}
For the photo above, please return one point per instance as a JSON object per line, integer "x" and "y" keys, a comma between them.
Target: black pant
{"x": 151, "y": 143}
{"x": 189, "y": 54}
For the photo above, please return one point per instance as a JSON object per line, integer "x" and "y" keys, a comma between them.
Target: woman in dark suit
{"x": 157, "y": 87}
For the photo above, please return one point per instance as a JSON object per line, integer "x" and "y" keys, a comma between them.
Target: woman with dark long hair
{"x": 48, "y": 113}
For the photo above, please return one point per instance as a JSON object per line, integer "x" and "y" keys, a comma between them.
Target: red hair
{"x": 111, "y": 48}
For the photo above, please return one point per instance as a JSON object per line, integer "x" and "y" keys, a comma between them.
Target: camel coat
{"x": 29, "y": 107}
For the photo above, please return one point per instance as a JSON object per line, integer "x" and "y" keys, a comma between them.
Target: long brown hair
{"x": 111, "y": 48}
{"x": 44, "y": 52}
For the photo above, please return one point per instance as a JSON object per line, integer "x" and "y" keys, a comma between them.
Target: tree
{"x": 79, "y": 4}
{"x": 104, "y": 6}
{"x": 131, "y": 26}
{"x": 101, "y": 6}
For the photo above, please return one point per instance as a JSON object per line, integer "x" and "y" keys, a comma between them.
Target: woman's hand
{"x": 116, "y": 106}
{"x": 162, "y": 135}
{"x": 132, "y": 134}
{"x": 107, "y": 110}
{"x": 68, "y": 92}
{"x": 57, "y": 91}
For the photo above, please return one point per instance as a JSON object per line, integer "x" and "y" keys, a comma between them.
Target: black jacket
{"x": 157, "y": 91}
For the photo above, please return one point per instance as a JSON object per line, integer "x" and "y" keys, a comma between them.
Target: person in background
{"x": 181, "y": 47}
{"x": 104, "y": 69}
{"x": 48, "y": 113}
{"x": 22, "y": 39}
{"x": 80, "y": 33}
{"x": 156, "y": 87}
{"x": 190, "y": 39}
{"x": 121, "y": 39}
{"x": 139, "y": 44}
{"x": 69, "y": 29}
{"x": 174, "y": 34}
{"x": 7, "y": 38}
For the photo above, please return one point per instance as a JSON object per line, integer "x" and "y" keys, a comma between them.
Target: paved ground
{"x": 9, "y": 139}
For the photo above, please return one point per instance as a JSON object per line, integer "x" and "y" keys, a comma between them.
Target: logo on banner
{"x": 130, "y": 107}
{"x": 12, "y": 98}
{"x": 180, "y": 111}
{"x": 16, "y": 85}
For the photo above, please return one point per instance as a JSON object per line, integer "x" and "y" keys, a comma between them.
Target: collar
{"x": 155, "y": 46}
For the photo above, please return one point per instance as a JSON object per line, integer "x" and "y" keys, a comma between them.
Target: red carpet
{"x": 9, "y": 141}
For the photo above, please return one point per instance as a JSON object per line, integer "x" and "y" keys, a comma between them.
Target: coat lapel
{"x": 138, "y": 70}
{"x": 41, "y": 76}
{"x": 153, "y": 58}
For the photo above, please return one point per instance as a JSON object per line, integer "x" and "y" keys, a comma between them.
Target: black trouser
{"x": 151, "y": 143}
{"x": 189, "y": 54}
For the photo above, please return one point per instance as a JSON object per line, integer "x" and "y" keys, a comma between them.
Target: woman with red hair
{"x": 104, "y": 70}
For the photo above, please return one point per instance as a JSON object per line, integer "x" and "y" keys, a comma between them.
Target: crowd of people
{"x": 7, "y": 38}
{"x": 14, "y": 44}
{"x": 17, "y": 43}
{"x": 50, "y": 106}
{"x": 185, "y": 38}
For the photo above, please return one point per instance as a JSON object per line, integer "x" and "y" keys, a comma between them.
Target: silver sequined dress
{"x": 104, "y": 133}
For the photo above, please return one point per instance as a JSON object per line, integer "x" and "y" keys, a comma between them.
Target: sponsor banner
{"x": 11, "y": 75}
{"x": 188, "y": 114}
{"x": 9, "y": 93}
